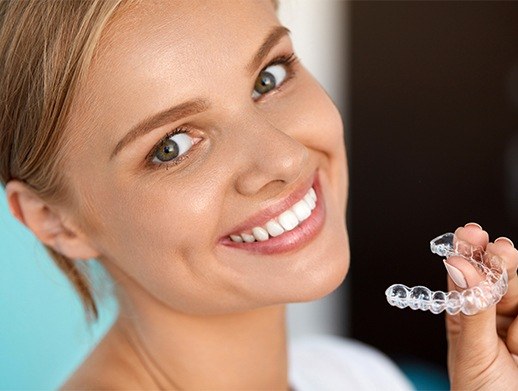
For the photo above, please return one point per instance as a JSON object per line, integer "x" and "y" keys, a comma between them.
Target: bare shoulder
{"x": 110, "y": 366}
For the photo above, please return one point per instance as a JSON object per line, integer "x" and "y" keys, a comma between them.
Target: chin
{"x": 326, "y": 274}
{"x": 327, "y": 281}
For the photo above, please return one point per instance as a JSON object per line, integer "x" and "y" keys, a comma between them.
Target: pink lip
{"x": 290, "y": 240}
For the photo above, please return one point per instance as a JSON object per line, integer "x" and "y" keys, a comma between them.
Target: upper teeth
{"x": 286, "y": 221}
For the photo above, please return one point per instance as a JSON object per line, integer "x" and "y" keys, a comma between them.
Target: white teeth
{"x": 236, "y": 238}
{"x": 288, "y": 220}
{"x": 260, "y": 234}
{"x": 311, "y": 202}
{"x": 274, "y": 228}
{"x": 248, "y": 238}
{"x": 301, "y": 210}
{"x": 313, "y": 194}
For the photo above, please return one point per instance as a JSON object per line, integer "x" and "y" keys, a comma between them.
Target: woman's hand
{"x": 483, "y": 348}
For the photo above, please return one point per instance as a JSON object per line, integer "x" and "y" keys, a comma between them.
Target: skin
{"x": 483, "y": 349}
{"x": 194, "y": 313}
{"x": 193, "y": 308}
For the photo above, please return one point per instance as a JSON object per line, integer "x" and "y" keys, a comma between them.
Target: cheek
{"x": 156, "y": 222}
{"x": 171, "y": 215}
{"x": 316, "y": 122}
{"x": 310, "y": 115}
{"x": 163, "y": 239}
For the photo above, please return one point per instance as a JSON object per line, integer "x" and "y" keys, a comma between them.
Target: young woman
{"x": 184, "y": 146}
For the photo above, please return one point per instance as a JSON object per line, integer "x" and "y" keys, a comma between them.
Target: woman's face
{"x": 225, "y": 155}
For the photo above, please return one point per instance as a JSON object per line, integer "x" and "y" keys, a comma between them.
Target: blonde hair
{"x": 46, "y": 47}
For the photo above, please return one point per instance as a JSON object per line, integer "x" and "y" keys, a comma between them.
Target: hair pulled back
{"x": 46, "y": 47}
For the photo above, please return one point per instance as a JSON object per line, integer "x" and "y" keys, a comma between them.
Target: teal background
{"x": 43, "y": 330}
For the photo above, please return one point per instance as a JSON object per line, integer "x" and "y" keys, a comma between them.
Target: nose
{"x": 271, "y": 158}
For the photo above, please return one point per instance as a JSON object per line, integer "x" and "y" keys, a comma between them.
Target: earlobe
{"x": 46, "y": 223}
{"x": 74, "y": 245}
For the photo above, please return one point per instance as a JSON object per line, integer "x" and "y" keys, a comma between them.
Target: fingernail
{"x": 503, "y": 238}
{"x": 473, "y": 225}
{"x": 456, "y": 275}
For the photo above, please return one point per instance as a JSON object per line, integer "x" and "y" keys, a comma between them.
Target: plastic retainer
{"x": 471, "y": 300}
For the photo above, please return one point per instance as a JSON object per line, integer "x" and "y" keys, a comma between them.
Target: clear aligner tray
{"x": 469, "y": 301}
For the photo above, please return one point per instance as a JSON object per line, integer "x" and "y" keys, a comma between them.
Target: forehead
{"x": 192, "y": 26}
{"x": 156, "y": 53}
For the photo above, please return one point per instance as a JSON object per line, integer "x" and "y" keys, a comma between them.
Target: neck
{"x": 244, "y": 350}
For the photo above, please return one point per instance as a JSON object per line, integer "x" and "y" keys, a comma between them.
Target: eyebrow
{"x": 195, "y": 106}
{"x": 155, "y": 121}
{"x": 269, "y": 43}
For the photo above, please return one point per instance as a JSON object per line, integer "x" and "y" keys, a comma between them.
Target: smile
{"x": 284, "y": 222}
{"x": 287, "y": 225}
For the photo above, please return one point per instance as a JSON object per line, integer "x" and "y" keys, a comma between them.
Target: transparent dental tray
{"x": 468, "y": 301}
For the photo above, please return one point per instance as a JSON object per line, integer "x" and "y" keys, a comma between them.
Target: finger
{"x": 452, "y": 329}
{"x": 502, "y": 325}
{"x": 468, "y": 336}
{"x": 461, "y": 272}
{"x": 504, "y": 248}
{"x": 471, "y": 337}
{"x": 474, "y": 234}
{"x": 474, "y": 333}
{"x": 512, "y": 337}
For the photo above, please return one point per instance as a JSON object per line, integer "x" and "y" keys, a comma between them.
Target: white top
{"x": 330, "y": 363}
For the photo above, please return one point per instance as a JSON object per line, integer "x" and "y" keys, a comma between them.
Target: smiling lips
{"x": 284, "y": 222}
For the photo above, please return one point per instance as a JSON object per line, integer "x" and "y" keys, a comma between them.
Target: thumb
{"x": 472, "y": 337}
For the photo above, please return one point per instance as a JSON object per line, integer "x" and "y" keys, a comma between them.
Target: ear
{"x": 47, "y": 223}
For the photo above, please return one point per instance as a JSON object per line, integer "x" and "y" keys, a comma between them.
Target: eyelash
{"x": 174, "y": 162}
{"x": 288, "y": 60}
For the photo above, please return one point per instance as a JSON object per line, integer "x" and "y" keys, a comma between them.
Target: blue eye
{"x": 172, "y": 147}
{"x": 269, "y": 79}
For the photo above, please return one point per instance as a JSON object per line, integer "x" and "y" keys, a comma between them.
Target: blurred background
{"x": 433, "y": 120}
{"x": 429, "y": 97}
